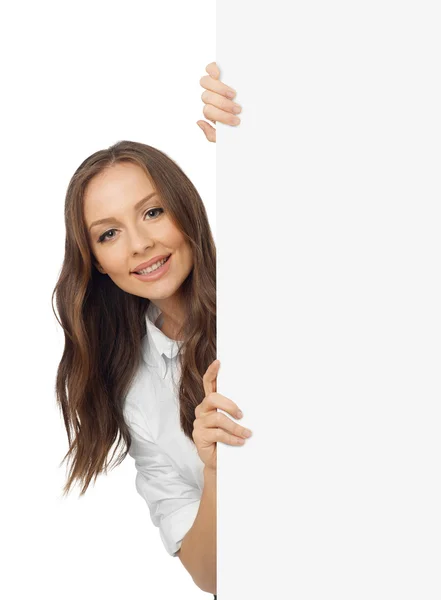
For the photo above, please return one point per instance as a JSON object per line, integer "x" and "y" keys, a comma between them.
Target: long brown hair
{"x": 104, "y": 325}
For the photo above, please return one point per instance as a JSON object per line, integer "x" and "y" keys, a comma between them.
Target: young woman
{"x": 136, "y": 298}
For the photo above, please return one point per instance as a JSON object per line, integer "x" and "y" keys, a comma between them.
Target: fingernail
{"x": 199, "y": 125}
{"x": 239, "y": 414}
{"x": 230, "y": 94}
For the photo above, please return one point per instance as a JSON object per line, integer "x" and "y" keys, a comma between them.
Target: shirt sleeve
{"x": 173, "y": 502}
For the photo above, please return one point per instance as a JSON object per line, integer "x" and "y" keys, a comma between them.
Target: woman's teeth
{"x": 152, "y": 267}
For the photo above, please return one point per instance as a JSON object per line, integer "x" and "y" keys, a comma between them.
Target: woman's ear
{"x": 99, "y": 267}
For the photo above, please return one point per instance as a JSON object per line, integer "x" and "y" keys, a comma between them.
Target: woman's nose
{"x": 139, "y": 240}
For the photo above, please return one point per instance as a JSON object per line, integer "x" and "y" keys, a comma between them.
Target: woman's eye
{"x": 154, "y": 209}
{"x": 104, "y": 237}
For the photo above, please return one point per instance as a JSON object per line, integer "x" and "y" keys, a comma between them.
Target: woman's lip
{"x": 151, "y": 262}
{"x": 154, "y": 274}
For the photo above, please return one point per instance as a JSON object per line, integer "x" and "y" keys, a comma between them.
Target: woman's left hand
{"x": 219, "y": 105}
{"x": 211, "y": 426}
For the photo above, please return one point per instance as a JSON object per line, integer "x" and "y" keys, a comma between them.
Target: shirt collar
{"x": 155, "y": 339}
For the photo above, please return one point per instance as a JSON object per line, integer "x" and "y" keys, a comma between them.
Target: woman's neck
{"x": 173, "y": 317}
{"x": 170, "y": 330}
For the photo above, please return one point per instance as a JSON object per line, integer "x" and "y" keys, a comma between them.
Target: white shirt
{"x": 169, "y": 471}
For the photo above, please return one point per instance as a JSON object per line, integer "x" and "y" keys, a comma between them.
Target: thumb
{"x": 209, "y": 380}
{"x": 210, "y": 132}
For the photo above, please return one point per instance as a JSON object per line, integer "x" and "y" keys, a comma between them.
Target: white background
{"x": 329, "y": 300}
{"x": 77, "y": 77}
{"x": 328, "y": 330}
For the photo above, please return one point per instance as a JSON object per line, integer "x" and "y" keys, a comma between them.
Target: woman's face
{"x": 137, "y": 228}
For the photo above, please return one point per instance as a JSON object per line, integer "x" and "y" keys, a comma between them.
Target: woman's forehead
{"x": 120, "y": 187}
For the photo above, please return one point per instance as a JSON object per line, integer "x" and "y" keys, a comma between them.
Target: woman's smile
{"x": 155, "y": 273}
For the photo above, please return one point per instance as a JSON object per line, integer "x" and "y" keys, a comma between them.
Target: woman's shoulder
{"x": 140, "y": 387}
{"x": 149, "y": 400}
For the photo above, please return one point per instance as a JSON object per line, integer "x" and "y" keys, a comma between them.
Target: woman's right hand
{"x": 211, "y": 426}
{"x": 219, "y": 105}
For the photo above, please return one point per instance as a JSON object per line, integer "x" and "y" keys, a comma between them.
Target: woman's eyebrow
{"x": 110, "y": 219}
